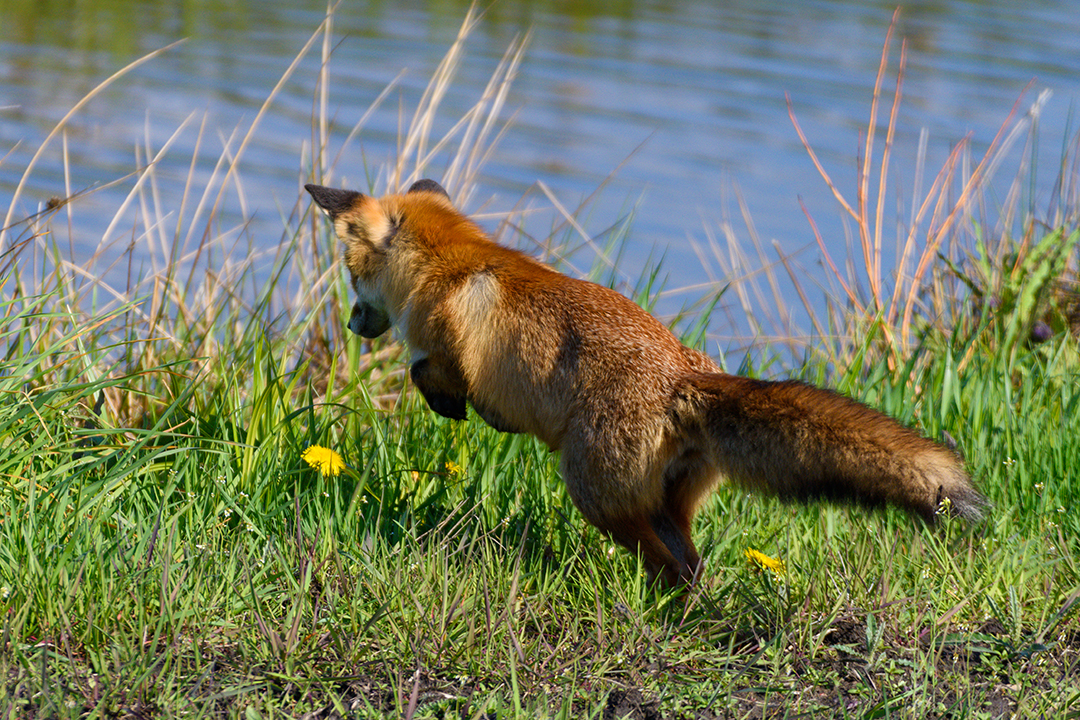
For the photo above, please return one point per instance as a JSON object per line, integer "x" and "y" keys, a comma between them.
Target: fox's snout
{"x": 368, "y": 321}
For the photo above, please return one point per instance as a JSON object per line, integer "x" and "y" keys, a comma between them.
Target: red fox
{"x": 645, "y": 425}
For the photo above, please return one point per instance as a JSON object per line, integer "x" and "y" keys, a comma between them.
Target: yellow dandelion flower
{"x": 453, "y": 469}
{"x": 763, "y": 560}
{"x": 325, "y": 460}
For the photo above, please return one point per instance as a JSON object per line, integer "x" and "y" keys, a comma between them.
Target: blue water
{"x": 677, "y": 108}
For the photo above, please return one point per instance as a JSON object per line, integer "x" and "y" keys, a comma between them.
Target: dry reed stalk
{"x": 895, "y": 311}
{"x": 208, "y": 287}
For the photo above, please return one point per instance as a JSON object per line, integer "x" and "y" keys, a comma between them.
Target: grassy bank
{"x": 166, "y": 551}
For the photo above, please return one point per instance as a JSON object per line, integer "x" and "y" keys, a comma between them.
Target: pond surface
{"x": 678, "y": 105}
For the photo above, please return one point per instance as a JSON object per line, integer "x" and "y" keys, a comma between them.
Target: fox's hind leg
{"x": 663, "y": 540}
{"x": 673, "y": 531}
{"x": 638, "y": 534}
{"x": 621, "y": 488}
{"x": 686, "y": 481}
{"x": 630, "y": 527}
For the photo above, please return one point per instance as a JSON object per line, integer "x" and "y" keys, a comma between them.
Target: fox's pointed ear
{"x": 426, "y": 185}
{"x": 333, "y": 201}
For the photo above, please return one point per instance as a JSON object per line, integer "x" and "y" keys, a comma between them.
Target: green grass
{"x": 165, "y": 552}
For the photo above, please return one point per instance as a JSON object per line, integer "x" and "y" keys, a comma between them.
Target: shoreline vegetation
{"x": 217, "y": 503}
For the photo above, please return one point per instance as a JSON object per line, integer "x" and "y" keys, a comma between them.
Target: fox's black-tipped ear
{"x": 426, "y": 185}
{"x": 333, "y": 201}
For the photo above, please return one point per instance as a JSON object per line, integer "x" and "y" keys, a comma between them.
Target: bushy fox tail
{"x": 800, "y": 442}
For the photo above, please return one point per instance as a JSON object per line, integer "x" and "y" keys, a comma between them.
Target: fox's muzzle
{"x": 368, "y": 321}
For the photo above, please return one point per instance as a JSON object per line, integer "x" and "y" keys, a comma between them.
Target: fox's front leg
{"x": 441, "y": 385}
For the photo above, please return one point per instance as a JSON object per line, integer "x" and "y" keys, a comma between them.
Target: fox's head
{"x": 371, "y": 230}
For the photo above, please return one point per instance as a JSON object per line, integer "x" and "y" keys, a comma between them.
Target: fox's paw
{"x": 449, "y": 406}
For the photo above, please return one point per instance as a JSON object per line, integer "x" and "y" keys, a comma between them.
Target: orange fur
{"x": 645, "y": 425}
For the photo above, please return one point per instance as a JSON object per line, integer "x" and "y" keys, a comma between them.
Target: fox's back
{"x": 551, "y": 350}
{"x": 545, "y": 353}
